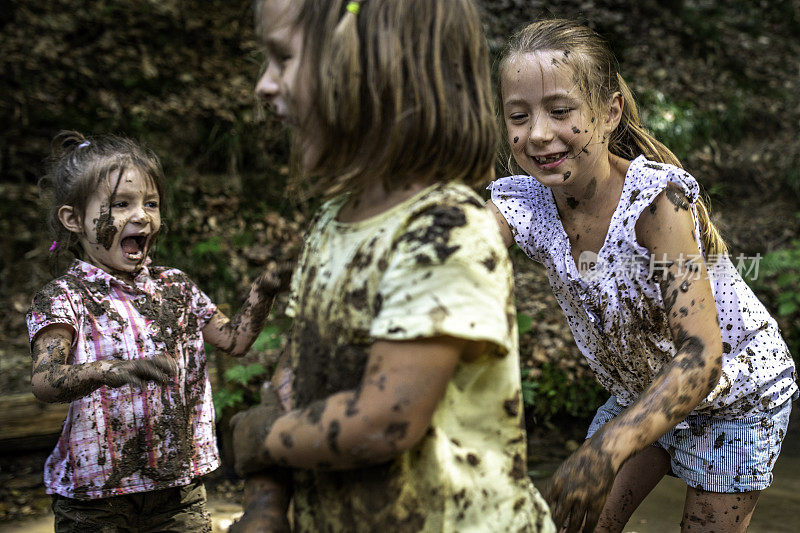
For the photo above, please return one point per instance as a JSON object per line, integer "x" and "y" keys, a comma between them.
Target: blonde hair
{"x": 597, "y": 74}
{"x": 400, "y": 90}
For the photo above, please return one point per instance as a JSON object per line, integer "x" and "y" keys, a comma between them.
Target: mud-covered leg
{"x": 637, "y": 477}
{"x": 705, "y": 511}
{"x": 265, "y": 503}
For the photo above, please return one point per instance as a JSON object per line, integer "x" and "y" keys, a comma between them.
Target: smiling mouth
{"x": 546, "y": 160}
{"x": 133, "y": 247}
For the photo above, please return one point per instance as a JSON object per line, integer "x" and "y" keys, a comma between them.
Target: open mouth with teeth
{"x": 133, "y": 247}
{"x": 550, "y": 160}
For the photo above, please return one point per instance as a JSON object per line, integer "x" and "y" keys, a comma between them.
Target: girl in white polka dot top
{"x": 701, "y": 380}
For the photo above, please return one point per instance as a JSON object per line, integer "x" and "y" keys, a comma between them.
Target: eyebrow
{"x": 550, "y": 98}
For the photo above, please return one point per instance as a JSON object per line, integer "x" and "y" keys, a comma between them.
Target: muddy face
{"x": 121, "y": 222}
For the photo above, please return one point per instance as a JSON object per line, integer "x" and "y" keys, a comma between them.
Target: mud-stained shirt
{"x": 614, "y": 305}
{"x": 432, "y": 265}
{"x": 129, "y": 439}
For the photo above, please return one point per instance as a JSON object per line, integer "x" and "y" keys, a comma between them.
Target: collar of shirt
{"x": 141, "y": 282}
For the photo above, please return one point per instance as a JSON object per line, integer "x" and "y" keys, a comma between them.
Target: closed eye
{"x": 561, "y": 112}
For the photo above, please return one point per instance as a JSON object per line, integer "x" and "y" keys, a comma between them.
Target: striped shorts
{"x": 715, "y": 454}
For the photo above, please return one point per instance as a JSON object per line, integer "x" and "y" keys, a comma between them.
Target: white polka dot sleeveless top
{"x": 615, "y": 309}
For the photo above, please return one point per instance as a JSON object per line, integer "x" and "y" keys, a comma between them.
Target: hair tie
{"x": 353, "y": 7}
{"x": 53, "y": 246}
{"x": 84, "y": 144}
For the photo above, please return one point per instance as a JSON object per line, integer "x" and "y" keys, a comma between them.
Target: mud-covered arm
{"x": 502, "y": 223}
{"x": 580, "y": 486}
{"x": 53, "y": 380}
{"x": 389, "y": 412}
{"x": 267, "y": 493}
{"x": 236, "y": 335}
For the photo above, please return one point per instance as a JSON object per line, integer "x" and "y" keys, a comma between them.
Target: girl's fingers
{"x": 134, "y": 381}
{"x": 166, "y": 364}
{"x": 150, "y": 370}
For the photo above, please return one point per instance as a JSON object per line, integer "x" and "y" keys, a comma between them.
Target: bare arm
{"x": 502, "y": 224}
{"x": 53, "y": 380}
{"x": 386, "y": 415}
{"x": 238, "y": 334}
{"x": 580, "y": 486}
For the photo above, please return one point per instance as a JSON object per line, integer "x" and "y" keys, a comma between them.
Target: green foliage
{"x": 244, "y": 374}
{"x": 270, "y": 338}
{"x": 778, "y": 283}
{"x": 240, "y": 389}
{"x": 683, "y": 127}
{"x": 524, "y": 323}
{"x": 553, "y": 394}
{"x": 240, "y": 385}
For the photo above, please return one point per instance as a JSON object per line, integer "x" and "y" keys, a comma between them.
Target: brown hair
{"x": 78, "y": 165}
{"x": 597, "y": 74}
{"x": 400, "y": 90}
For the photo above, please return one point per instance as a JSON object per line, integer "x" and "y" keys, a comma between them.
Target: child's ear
{"x": 614, "y": 112}
{"x": 69, "y": 218}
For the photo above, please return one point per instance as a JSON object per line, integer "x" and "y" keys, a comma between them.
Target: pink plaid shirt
{"x": 127, "y": 440}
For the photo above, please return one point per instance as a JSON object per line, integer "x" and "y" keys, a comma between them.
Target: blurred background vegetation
{"x": 716, "y": 81}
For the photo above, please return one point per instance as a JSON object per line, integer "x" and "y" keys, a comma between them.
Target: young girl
{"x": 405, "y": 405}
{"x": 122, "y": 341}
{"x": 695, "y": 365}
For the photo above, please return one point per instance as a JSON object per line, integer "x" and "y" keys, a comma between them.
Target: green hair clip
{"x": 353, "y": 7}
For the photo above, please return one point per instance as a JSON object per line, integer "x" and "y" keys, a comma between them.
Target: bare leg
{"x": 634, "y": 481}
{"x": 722, "y": 512}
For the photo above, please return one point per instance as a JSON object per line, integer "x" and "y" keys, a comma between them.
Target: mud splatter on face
{"x": 516, "y": 140}
{"x": 104, "y": 228}
{"x": 567, "y": 174}
{"x": 576, "y": 130}
{"x": 104, "y": 225}
{"x": 572, "y": 202}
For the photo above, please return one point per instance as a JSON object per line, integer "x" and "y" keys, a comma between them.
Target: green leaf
{"x": 787, "y": 308}
{"x": 224, "y": 398}
{"x": 243, "y": 374}
{"x": 524, "y": 323}
{"x": 269, "y": 339}
{"x": 208, "y": 246}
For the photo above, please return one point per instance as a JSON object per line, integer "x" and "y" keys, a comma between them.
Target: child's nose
{"x": 540, "y": 131}
{"x": 139, "y": 214}
{"x": 267, "y": 86}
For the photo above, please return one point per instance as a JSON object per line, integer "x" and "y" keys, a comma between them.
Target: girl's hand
{"x": 578, "y": 490}
{"x": 237, "y": 335}
{"x": 250, "y": 429}
{"x": 265, "y": 502}
{"x": 160, "y": 369}
{"x": 274, "y": 279}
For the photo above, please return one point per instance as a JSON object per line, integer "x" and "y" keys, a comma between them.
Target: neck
{"x": 596, "y": 192}
{"x": 374, "y": 199}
